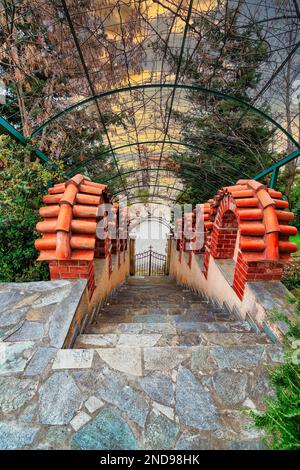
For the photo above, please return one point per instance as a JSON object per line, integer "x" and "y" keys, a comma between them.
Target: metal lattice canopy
{"x": 118, "y": 73}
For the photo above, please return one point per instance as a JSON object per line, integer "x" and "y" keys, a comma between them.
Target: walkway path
{"x": 181, "y": 371}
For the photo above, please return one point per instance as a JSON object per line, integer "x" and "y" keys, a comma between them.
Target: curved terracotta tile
{"x": 252, "y": 244}
{"x": 57, "y": 189}
{"x": 274, "y": 194}
{"x": 49, "y": 211}
{"x": 48, "y": 242}
{"x": 271, "y": 220}
{"x": 83, "y": 188}
{"x": 63, "y": 249}
{"x": 285, "y": 215}
{"x": 82, "y": 255}
{"x": 77, "y": 180}
{"x": 281, "y": 204}
{"x": 256, "y": 185}
{"x": 46, "y": 226}
{"x": 247, "y": 202}
{"x": 64, "y": 218}
{"x": 264, "y": 198}
{"x": 288, "y": 230}
{"x": 70, "y": 193}
{"x": 47, "y": 255}
{"x": 88, "y": 199}
{"x": 79, "y": 226}
{"x": 272, "y": 247}
{"x": 96, "y": 185}
{"x": 252, "y": 228}
{"x": 84, "y": 211}
{"x": 250, "y": 214}
{"x": 81, "y": 242}
{"x": 288, "y": 247}
{"x": 52, "y": 198}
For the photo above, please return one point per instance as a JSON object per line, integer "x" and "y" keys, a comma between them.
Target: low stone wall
{"x": 43, "y": 396}
{"x": 259, "y": 300}
{"x": 105, "y": 283}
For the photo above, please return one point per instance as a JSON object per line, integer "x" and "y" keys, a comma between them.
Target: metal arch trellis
{"x": 153, "y": 142}
{"x": 115, "y": 193}
{"x": 150, "y": 170}
{"x": 158, "y": 196}
{"x": 185, "y": 32}
{"x": 19, "y": 137}
{"x": 190, "y": 87}
{"x": 136, "y": 222}
{"x": 221, "y": 177}
{"x": 90, "y": 83}
{"x": 274, "y": 169}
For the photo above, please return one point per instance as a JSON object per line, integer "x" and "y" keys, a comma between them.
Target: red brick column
{"x": 254, "y": 271}
{"x": 206, "y": 261}
{"x": 102, "y": 247}
{"x": 69, "y": 269}
{"x": 224, "y": 236}
{"x": 109, "y": 255}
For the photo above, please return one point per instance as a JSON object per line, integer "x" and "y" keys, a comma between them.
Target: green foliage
{"x": 294, "y": 201}
{"x": 291, "y": 275}
{"x": 281, "y": 419}
{"x": 22, "y": 185}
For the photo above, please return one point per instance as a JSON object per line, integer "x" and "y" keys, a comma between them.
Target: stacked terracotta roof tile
{"x": 70, "y": 220}
{"x": 263, "y": 219}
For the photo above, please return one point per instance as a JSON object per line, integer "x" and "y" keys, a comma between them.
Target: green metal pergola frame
{"x": 274, "y": 169}
{"x": 154, "y": 142}
{"x": 163, "y": 186}
{"x": 21, "y": 139}
{"x": 180, "y": 86}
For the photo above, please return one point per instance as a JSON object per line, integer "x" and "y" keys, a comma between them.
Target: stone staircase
{"x": 198, "y": 368}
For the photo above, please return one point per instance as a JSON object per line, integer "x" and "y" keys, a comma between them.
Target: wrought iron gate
{"x": 150, "y": 263}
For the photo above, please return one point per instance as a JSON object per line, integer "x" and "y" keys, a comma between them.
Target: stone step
{"x": 161, "y": 317}
{"x": 170, "y": 328}
{"x": 113, "y": 340}
{"x": 145, "y": 302}
{"x": 140, "y": 280}
{"x": 164, "y": 304}
{"x": 158, "y": 290}
{"x": 153, "y": 309}
{"x": 141, "y": 361}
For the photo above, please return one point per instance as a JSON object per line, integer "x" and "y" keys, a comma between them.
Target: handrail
{"x": 274, "y": 169}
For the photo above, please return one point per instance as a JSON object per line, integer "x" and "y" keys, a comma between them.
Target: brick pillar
{"x": 119, "y": 251}
{"x": 190, "y": 259}
{"x": 224, "y": 236}
{"x": 109, "y": 254}
{"x": 102, "y": 247}
{"x": 254, "y": 271}
{"x": 69, "y": 269}
{"x": 132, "y": 256}
{"x": 206, "y": 261}
{"x": 181, "y": 247}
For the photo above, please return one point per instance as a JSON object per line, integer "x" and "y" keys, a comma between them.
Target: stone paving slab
{"x": 129, "y": 391}
{"x": 170, "y": 328}
{"x": 140, "y": 339}
{"x": 164, "y": 409}
{"x": 73, "y": 359}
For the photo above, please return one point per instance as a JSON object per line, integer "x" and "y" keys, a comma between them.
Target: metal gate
{"x": 150, "y": 263}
